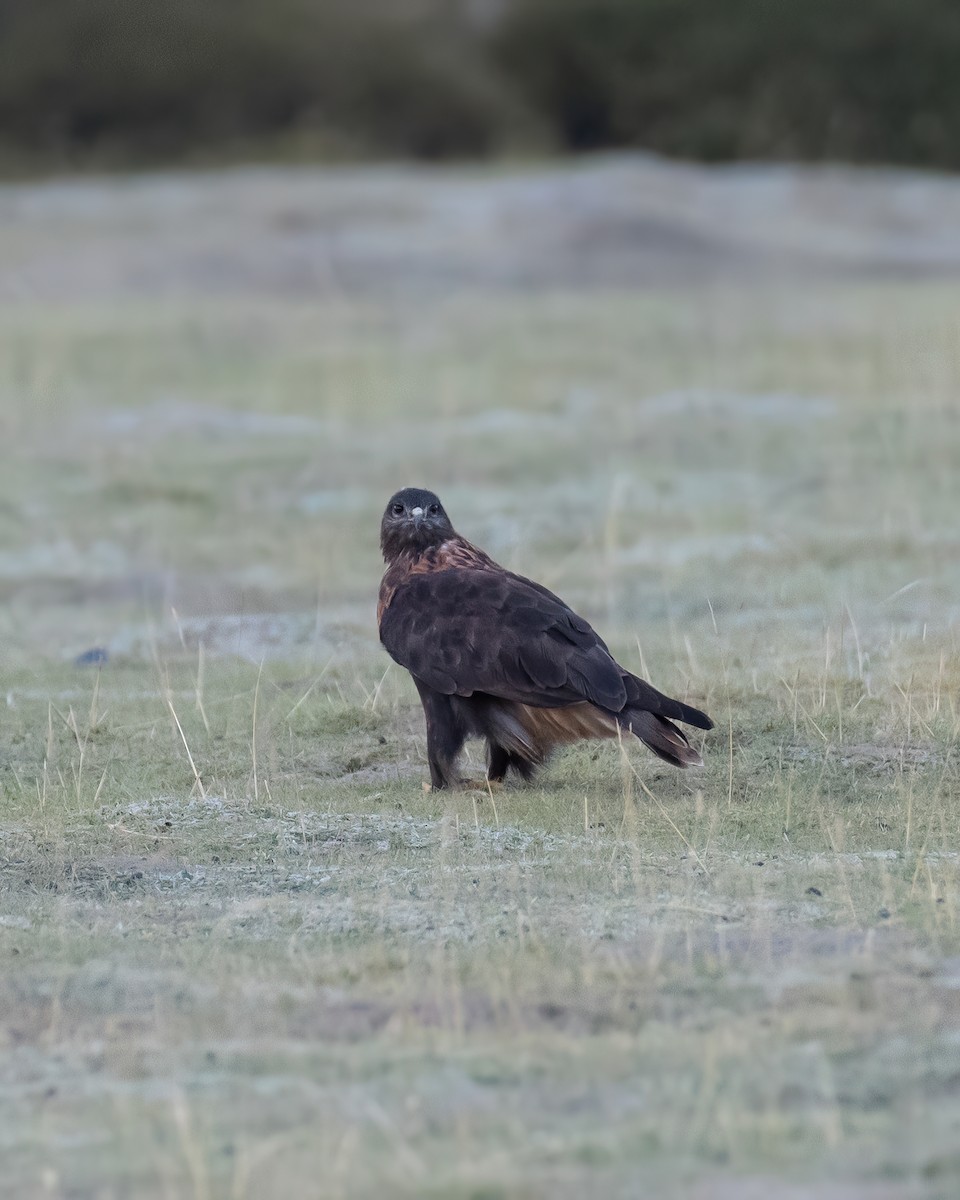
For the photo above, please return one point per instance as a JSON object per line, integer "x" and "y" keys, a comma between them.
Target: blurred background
{"x": 663, "y": 298}
{"x": 113, "y": 83}
{"x": 586, "y": 265}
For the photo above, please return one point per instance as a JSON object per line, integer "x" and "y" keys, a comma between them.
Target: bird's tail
{"x": 661, "y": 736}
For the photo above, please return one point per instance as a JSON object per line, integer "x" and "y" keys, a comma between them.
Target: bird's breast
{"x": 452, "y": 555}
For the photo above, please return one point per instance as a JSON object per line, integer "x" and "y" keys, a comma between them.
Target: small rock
{"x": 98, "y": 656}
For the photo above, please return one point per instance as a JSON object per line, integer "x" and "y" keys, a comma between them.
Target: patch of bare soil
{"x": 881, "y": 757}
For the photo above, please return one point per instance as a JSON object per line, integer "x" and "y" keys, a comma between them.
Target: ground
{"x": 242, "y": 951}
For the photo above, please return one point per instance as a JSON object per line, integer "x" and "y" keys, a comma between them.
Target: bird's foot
{"x": 465, "y": 785}
{"x": 480, "y": 785}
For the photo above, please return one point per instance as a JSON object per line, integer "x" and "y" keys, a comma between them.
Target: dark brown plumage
{"x": 499, "y": 656}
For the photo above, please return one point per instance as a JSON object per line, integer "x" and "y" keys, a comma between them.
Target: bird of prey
{"x": 498, "y": 656}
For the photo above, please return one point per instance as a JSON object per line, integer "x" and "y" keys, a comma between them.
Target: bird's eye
{"x": 433, "y": 509}
{"x": 398, "y": 510}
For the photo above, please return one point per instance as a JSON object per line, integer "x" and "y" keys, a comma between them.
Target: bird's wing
{"x": 480, "y": 630}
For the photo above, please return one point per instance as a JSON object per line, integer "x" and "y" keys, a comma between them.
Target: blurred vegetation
{"x": 808, "y": 79}
{"x": 113, "y": 81}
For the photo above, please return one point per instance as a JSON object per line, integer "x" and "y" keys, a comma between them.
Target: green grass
{"x": 244, "y": 953}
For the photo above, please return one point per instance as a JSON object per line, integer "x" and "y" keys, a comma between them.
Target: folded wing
{"x": 475, "y": 630}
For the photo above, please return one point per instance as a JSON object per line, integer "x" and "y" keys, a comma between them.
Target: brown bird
{"x": 496, "y": 655}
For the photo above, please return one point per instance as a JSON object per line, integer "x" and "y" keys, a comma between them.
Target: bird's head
{"x": 413, "y": 520}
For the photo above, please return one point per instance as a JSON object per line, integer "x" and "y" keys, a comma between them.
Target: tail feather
{"x": 661, "y": 736}
{"x": 693, "y": 716}
{"x": 643, "y": 695}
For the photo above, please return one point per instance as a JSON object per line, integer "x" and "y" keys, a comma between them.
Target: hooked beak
{"x": 417, "y": 514}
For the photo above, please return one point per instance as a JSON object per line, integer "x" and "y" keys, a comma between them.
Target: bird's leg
{"x": 499, "y": 760}
{"x": 523, "y": 766}
{"x": 445, "y": 736}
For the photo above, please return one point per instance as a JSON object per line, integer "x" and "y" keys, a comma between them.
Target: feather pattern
{"x": 495, "y": 654}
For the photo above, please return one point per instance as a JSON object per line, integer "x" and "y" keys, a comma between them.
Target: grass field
{"x": 243, "y": 953}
